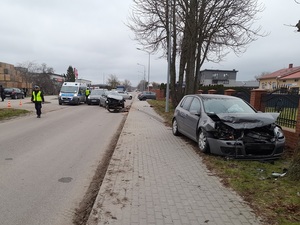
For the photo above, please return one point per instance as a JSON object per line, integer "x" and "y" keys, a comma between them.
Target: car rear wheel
{"x": 175, "y": 128}
{"x": 202, "y": 142}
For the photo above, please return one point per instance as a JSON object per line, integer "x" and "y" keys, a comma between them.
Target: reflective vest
{"x": 37, "y": 96}
{"x": 87, "y": 92}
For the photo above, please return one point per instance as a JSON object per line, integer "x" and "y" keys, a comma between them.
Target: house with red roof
{"x": 286, "y": 77}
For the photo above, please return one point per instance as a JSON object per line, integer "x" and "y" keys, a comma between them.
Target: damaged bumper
{"x": 241, "y": 150}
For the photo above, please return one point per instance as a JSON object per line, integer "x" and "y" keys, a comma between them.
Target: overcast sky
{"x": 91, "y": 36}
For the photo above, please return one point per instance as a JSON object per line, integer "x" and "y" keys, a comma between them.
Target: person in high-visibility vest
{"x": 87, "y": 93}
{"x": 37, "y": 98}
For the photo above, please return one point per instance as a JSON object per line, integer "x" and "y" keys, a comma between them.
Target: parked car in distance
{"x": 125, "y": 95}
{"x": 228, "y": 126}
{"x": 13, "y": 93}
{"x": 147, "y": 95}
{"x": 103, "y": 97}
{"x": 94, "y": 97}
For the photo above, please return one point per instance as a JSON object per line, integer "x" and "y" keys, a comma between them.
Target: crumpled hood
{"x": 117, "y": 97}
{"x": 247, "y": 120}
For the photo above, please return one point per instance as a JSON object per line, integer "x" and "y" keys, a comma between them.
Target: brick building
{"x": 11, "y": 77}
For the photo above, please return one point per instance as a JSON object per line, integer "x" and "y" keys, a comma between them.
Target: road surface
{"x": 47, "y": 164}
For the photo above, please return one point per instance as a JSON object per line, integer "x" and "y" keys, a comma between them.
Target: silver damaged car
{"x": 228, "y": 126}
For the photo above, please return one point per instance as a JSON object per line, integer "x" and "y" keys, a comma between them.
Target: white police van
{"x": 72, "y": 93}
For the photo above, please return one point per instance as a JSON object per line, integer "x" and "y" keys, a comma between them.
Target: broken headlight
{"x": 225, "y": 132}
{"x": 278, "y": 132}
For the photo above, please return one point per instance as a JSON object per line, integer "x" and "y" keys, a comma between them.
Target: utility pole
{"x": 148, "y": 65}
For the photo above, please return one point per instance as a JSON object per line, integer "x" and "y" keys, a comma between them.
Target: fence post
{"x": 212, "y": 91}
{"x": 256, "y": 98}
{"x": 229, "y": 92}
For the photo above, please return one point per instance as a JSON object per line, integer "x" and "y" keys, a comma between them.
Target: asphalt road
{"x": 47, "y": 164}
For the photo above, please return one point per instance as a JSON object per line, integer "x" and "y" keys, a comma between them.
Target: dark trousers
{"x": 38, "y": 108}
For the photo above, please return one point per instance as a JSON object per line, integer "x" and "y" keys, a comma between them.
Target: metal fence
{"x": 243, "y": 93}
{"x": 286, "y": 105}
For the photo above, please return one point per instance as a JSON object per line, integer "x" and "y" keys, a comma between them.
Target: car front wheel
{"x": 175, "y": 127}
{"x": 202, "y": 142}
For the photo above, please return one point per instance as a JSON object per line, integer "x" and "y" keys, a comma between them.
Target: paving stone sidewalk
{"x": 157, "y": 178}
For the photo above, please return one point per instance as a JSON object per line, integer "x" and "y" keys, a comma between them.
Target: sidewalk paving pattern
{"x": 157, "y": 178}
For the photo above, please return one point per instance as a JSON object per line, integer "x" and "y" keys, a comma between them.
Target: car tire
{"x": 202, "y": 142}
{"x": 175, "y": 128}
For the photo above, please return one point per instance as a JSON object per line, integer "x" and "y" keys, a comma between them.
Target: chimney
{"x": 290, "y": 65}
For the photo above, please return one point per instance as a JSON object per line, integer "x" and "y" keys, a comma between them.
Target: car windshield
{"x": 223, "y": 105}
{"x": 69, "y": 89}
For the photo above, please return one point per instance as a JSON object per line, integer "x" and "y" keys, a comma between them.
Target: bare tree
{"x": 257, "y": 77}
{"x": 113, "y": 81}
{"x": 38, "y": 75}
{"x": 142, "y": 85}
{"x": 200, "y": 30}
{"x": 127, "y": 84}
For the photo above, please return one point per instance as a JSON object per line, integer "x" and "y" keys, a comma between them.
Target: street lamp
{"x": 148, "y": 65}
{"x": 144, "y": 74}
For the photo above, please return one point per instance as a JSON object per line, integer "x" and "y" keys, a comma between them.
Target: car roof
{"x": 214, "y": 96}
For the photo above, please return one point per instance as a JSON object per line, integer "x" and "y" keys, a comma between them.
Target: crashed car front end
{"x": 247, "y": 136}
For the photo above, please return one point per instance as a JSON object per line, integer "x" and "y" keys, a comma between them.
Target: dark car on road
{"x": 228, "y": 126}
{"x": 94, "y": 97}
{"x": 13, "y": 93}
{"x": 147, "y": 95}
